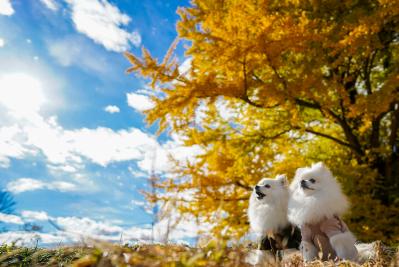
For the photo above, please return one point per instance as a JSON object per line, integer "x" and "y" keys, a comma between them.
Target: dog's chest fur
{"x": 266, "y": 218}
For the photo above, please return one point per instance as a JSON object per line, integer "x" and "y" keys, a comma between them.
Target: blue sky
{"x": 74, "y": 147}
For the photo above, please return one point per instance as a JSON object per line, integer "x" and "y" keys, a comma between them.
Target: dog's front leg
{"x": 309, "y": 251}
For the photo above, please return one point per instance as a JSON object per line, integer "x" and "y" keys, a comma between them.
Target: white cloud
{"x": 66, "y": 150}
{"x": 20, "y": 238}
{"x": 11, "y": 145}
{"x": 22, "y": 97}
{"x": 6, "y": 8}
{"x": 76, "y": 51}
{"x": 114, "y": 146}
{"x": 103, "y": 22}
{"x": 28, "y": 184}
{"x": 171, "y": 227}
{"x": 139, "y": 102}
{"x": 30, "y": 215}
{"x": 64, "y": 168}
{"x": 112, "y": 109}
{"x": 185, "y": 67}
{"x": 8, "y": 218}
{"x": 30, "y": 133}
{"x": 2, "y": 42}
{"x": 25, "y": 184}
{"x": 21, "y": 94}
{"x": 50, "y": 4}
{"x": 139, "y": 203}
{"x": 87, "y": 227}
{"x": 159, "y": 158}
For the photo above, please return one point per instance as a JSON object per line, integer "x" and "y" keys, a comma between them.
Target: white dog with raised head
{"x": 267, "y": 213}
{"x": 316, "y": 205}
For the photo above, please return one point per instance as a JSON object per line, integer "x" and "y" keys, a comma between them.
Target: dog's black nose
{"x": 303, "y": 183}
{"x": 256, "y": 187}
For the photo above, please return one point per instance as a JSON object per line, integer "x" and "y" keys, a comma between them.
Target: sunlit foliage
{"x": 275, "y": 85}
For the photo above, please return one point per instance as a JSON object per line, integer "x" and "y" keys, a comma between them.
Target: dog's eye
{"x": 267, "y": 186}
{"x": 312, "y": 180}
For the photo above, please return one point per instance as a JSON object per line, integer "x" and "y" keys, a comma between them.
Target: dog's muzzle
{"x": 304, "y": 185}
{"x": 259, "y": 194}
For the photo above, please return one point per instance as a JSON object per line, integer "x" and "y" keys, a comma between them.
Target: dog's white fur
{"x": 322, "y": 199}
{"x": 269, "y": 214}
{"x": 311, "y": 206}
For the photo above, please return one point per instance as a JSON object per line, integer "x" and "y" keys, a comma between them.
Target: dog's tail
{"x": 373, "y": 251}
{"x": 366, "y": 251}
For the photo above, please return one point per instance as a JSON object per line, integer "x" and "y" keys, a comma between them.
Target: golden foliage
{"x": 275, "y": 85}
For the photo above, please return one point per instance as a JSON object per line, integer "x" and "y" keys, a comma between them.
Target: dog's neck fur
{"x": 315, "y": 208}
{"x": 268, "y": 218}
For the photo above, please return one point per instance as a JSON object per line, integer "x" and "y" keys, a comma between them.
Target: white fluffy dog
{"x": 315, "y": 205}
{"x": 267, "y": 213}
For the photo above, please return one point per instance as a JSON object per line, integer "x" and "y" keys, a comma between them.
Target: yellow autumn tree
{"x": 275, "y": 85}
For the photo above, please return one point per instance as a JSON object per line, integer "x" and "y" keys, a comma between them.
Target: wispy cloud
{"x": 50, "y": 4}
{"x": 9, "y": 218}
{"x": 29, "y": 215}
{"x": 6, "y": 8}
{"x": 112, "y": 109}
{"x": 2, "y": 42}
{"x": 68, "y": 150}
{"x": 10, "y": 145}
{"x": 76, "y": 51}
{"x": 103, "y": 23}
{"x": 31, "y": 133}
{"x": 28, "y": 184}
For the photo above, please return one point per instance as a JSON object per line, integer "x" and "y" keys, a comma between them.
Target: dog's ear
{"x": 320, "y": 166}
{"x": 282, "y": 178}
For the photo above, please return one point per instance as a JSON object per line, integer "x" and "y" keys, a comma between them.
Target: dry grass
{"x": 107, "y": 255}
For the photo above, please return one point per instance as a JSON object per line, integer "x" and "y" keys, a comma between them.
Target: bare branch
{"x": 230, "y": 199}
{"x": 238, "y": 183}
{"x": 394, "y": 125}
{"x": 335, "y": 139}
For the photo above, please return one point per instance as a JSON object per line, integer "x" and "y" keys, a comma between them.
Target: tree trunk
{"x": 387, "y": 187}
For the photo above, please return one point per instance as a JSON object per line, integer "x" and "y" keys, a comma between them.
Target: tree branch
{"x": 367, "y": 71}
{"x": 238, "y": 183}
{"x": 335, "y": 139}
{"x": 350, "y": 136}
{"x": 250, "y": 102}
{"x": 352, "y": 139}
{"x": 354, "y": 143}
{"x": 230, "y": 199}
{"x": 307, "y": 104}
{"x": 394, "y": 125}
{"x": 270, "y": 137}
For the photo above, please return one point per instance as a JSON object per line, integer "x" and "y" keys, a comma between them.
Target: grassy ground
{"x": 107, "y": 255}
